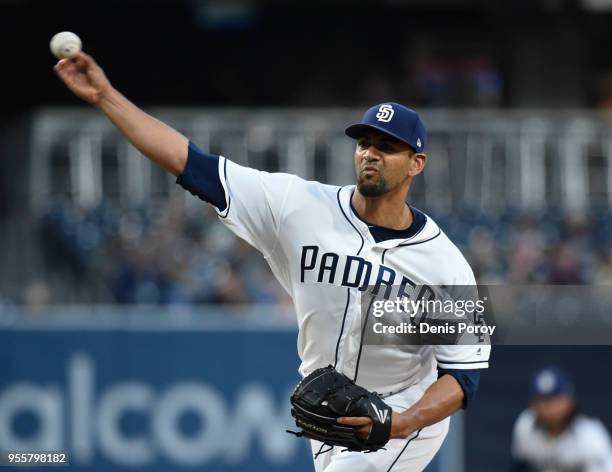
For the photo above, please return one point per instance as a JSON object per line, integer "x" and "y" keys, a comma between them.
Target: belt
{"x": 388, "y": 394}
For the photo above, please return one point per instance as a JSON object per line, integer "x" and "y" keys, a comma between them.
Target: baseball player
{"x": 325, "y": 245}
{"x": 551, "y": 436}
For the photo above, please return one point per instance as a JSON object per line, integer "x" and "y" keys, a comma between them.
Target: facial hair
{"x": 368, "y": 188}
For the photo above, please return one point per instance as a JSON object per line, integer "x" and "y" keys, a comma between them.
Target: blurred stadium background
{"x": 137, "y": 333}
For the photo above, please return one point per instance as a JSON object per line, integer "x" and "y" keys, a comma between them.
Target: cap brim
{"x": 357, "y": 131}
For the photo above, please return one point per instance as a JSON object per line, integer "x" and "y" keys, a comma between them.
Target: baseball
{"x": 65, "y": 45}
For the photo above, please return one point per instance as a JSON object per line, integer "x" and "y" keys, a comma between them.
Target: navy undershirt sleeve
{"x": 201, "y": 177}
{"x": 468, "y": 379}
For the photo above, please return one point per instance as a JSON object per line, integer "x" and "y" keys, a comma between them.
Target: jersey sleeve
{"x": 468, "y": 379}
{"x": 201, "y": 177}
{"x": 254, "y": 203}
{"x": 472, "y": 352}
{"x": 462, "y": 357}
{"x": 249, "y": 202}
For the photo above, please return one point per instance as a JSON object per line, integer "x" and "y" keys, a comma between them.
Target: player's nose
{"x": 371, "y": 154}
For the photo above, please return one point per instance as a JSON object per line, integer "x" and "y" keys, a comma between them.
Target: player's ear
{"x": 418, "y": 160}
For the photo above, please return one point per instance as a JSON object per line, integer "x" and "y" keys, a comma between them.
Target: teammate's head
{"x": 553, "y": 398}
{"x": 390, "y": 140}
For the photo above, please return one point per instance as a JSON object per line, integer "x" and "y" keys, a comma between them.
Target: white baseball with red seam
{"x": 65, "y": 45}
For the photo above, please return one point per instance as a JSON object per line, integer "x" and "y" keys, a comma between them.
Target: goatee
{"x": 372, "y": 189}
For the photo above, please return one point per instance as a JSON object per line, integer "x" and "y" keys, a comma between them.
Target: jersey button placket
{"x": 351, "y": 337}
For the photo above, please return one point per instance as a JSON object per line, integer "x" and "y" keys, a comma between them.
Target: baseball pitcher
{"x": 326, "y": 245}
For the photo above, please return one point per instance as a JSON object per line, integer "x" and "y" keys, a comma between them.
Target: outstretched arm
{"x": 162, "y": 144}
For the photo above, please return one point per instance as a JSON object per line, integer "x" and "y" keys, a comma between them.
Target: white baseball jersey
{"x": 584, "y": 446}
{"x": 322, "y": 253}
{"x": 324, "y": 256}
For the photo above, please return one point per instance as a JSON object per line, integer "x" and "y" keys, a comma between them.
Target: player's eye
{"x": 385, "y": 147}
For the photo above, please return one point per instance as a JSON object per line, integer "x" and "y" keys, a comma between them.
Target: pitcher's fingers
{"x": 81, "y": 62}
{"x": 60, "y": 71}
{"x": 60, "y": 64}
{"x": 355, "y": 420}
{"x": 65, "y": 69}
{"x": 84, "y": 58}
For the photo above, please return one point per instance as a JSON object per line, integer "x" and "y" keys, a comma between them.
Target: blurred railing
{"x": 488, "y": 160}
{"x": 207, "y": 317}
{"x": 554, "y": 164}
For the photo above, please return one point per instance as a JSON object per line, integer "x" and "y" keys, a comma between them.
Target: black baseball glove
{"x": 324, "y": 396}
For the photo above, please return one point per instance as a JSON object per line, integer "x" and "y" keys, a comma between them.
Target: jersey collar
{"x": 424, "y": 228}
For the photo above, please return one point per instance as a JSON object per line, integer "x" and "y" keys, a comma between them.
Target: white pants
{"x": 399, "y": 455}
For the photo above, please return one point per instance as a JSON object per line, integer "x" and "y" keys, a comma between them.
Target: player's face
{"x": 553, "y": 411}
{"x": 383, "y": 163}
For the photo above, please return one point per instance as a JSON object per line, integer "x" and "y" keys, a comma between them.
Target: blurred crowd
{"x": 548, "y": 247}
{"x": 162, "y": 253}
{"x": 170, "y": 253}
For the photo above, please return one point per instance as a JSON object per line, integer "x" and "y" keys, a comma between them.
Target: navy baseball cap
{"x": 396, "y": 120}
{"x": 551, "y": 381}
